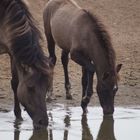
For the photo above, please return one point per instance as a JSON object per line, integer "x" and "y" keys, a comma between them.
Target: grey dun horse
{"x": 78, "y": 32}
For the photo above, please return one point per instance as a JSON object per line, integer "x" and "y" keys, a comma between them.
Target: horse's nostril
{"x": 39, "y": 122}
{"x": 108, "y": 111}
{"x": 43, "y": 122}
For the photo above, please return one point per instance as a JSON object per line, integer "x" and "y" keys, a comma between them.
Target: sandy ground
{"x": 122, "y": 20}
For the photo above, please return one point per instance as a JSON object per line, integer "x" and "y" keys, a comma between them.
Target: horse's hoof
{"x": 86, "y": 99}
{"x": 69, "y": 97}
{"x": 19, "y": 119}
{"x": 85, "y": 111}
{"x": 84, "y": 103}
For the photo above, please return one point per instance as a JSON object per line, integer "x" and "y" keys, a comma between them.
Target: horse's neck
{"x": 101, "y": 62}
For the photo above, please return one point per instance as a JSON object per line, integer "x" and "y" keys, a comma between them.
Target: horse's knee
{"x": 17, "y": 112}
{"x": 53, "y": 59}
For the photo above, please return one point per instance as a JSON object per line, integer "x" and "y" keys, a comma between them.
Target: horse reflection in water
{"x": 106, "y": 131}
{"x": 86, "y": 134}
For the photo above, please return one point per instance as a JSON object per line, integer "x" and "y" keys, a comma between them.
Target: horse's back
{"x": 61, "y": 16}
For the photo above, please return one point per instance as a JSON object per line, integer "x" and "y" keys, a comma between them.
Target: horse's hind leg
{"x": 52, "y": 56}
{"x": 14, "y": 85}
{"x": 65, "y": 60}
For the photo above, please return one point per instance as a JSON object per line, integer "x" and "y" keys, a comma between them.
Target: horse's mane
{"x": 24, "y": 34}
{"x": 104, "y": 39}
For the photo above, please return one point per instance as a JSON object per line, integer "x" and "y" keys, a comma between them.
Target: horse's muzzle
{"x": 108, "y": 110}
{"x": 40, "y": 123}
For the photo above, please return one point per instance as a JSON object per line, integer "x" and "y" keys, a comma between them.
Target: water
{"x": 67, "y": 123}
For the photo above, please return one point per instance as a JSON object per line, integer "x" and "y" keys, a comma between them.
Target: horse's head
{"x": 32, "y": 89}
{"x": 106, "y": 90}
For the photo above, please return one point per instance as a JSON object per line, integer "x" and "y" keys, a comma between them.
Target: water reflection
{"x": 67, "y": 124}
{"x": 17, "y": 129}
{"x": 86, "y": 134}
{"x": 50, "y": 133}
{"x": 40, "y": 135}
{"x": 106, "y": 131}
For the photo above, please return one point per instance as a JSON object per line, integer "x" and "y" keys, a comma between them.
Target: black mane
{"x": 25, "y": 36}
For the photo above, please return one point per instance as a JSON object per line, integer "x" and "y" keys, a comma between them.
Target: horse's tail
{"x": 47, "y": 27}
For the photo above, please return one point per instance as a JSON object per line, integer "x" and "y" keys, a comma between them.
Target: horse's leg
{"x": 52, "y": 56}
{"x": 65, "y": 60}
{"x": 88, "y": 91}
{"x": 79, "y": 58}
{"x": 84, "y": 81}
{"x": 14, "y": 85}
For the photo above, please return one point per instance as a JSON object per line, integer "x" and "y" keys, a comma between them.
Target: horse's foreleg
{"x": 88, "y": 92}
{"x": 65, "y": 60}
{"x": 14, "y": 85}
{"x": 84, "y": 87}
{"x": 87, "y": 80}
{"x": 84, "y": 81}
{"x": 79, "y": 58}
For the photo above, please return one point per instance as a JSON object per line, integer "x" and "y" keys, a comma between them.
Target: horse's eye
{"x": 115, "y": 89}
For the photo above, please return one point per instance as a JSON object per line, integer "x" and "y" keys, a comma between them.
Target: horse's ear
{"x": 118, "y": 67}
{"x": 105, "y": 76}
{"x": 27, "y": 69}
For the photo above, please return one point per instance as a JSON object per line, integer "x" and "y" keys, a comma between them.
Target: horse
{"x": 31, "y": 70}
{"x": 79, "y": 33}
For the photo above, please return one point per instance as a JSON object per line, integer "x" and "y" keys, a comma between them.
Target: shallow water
{"x": 67, "y": 123}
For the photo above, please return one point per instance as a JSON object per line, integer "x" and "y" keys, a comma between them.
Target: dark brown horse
{"x": 31, "y": 70}
{"x": 78, "y": 32}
